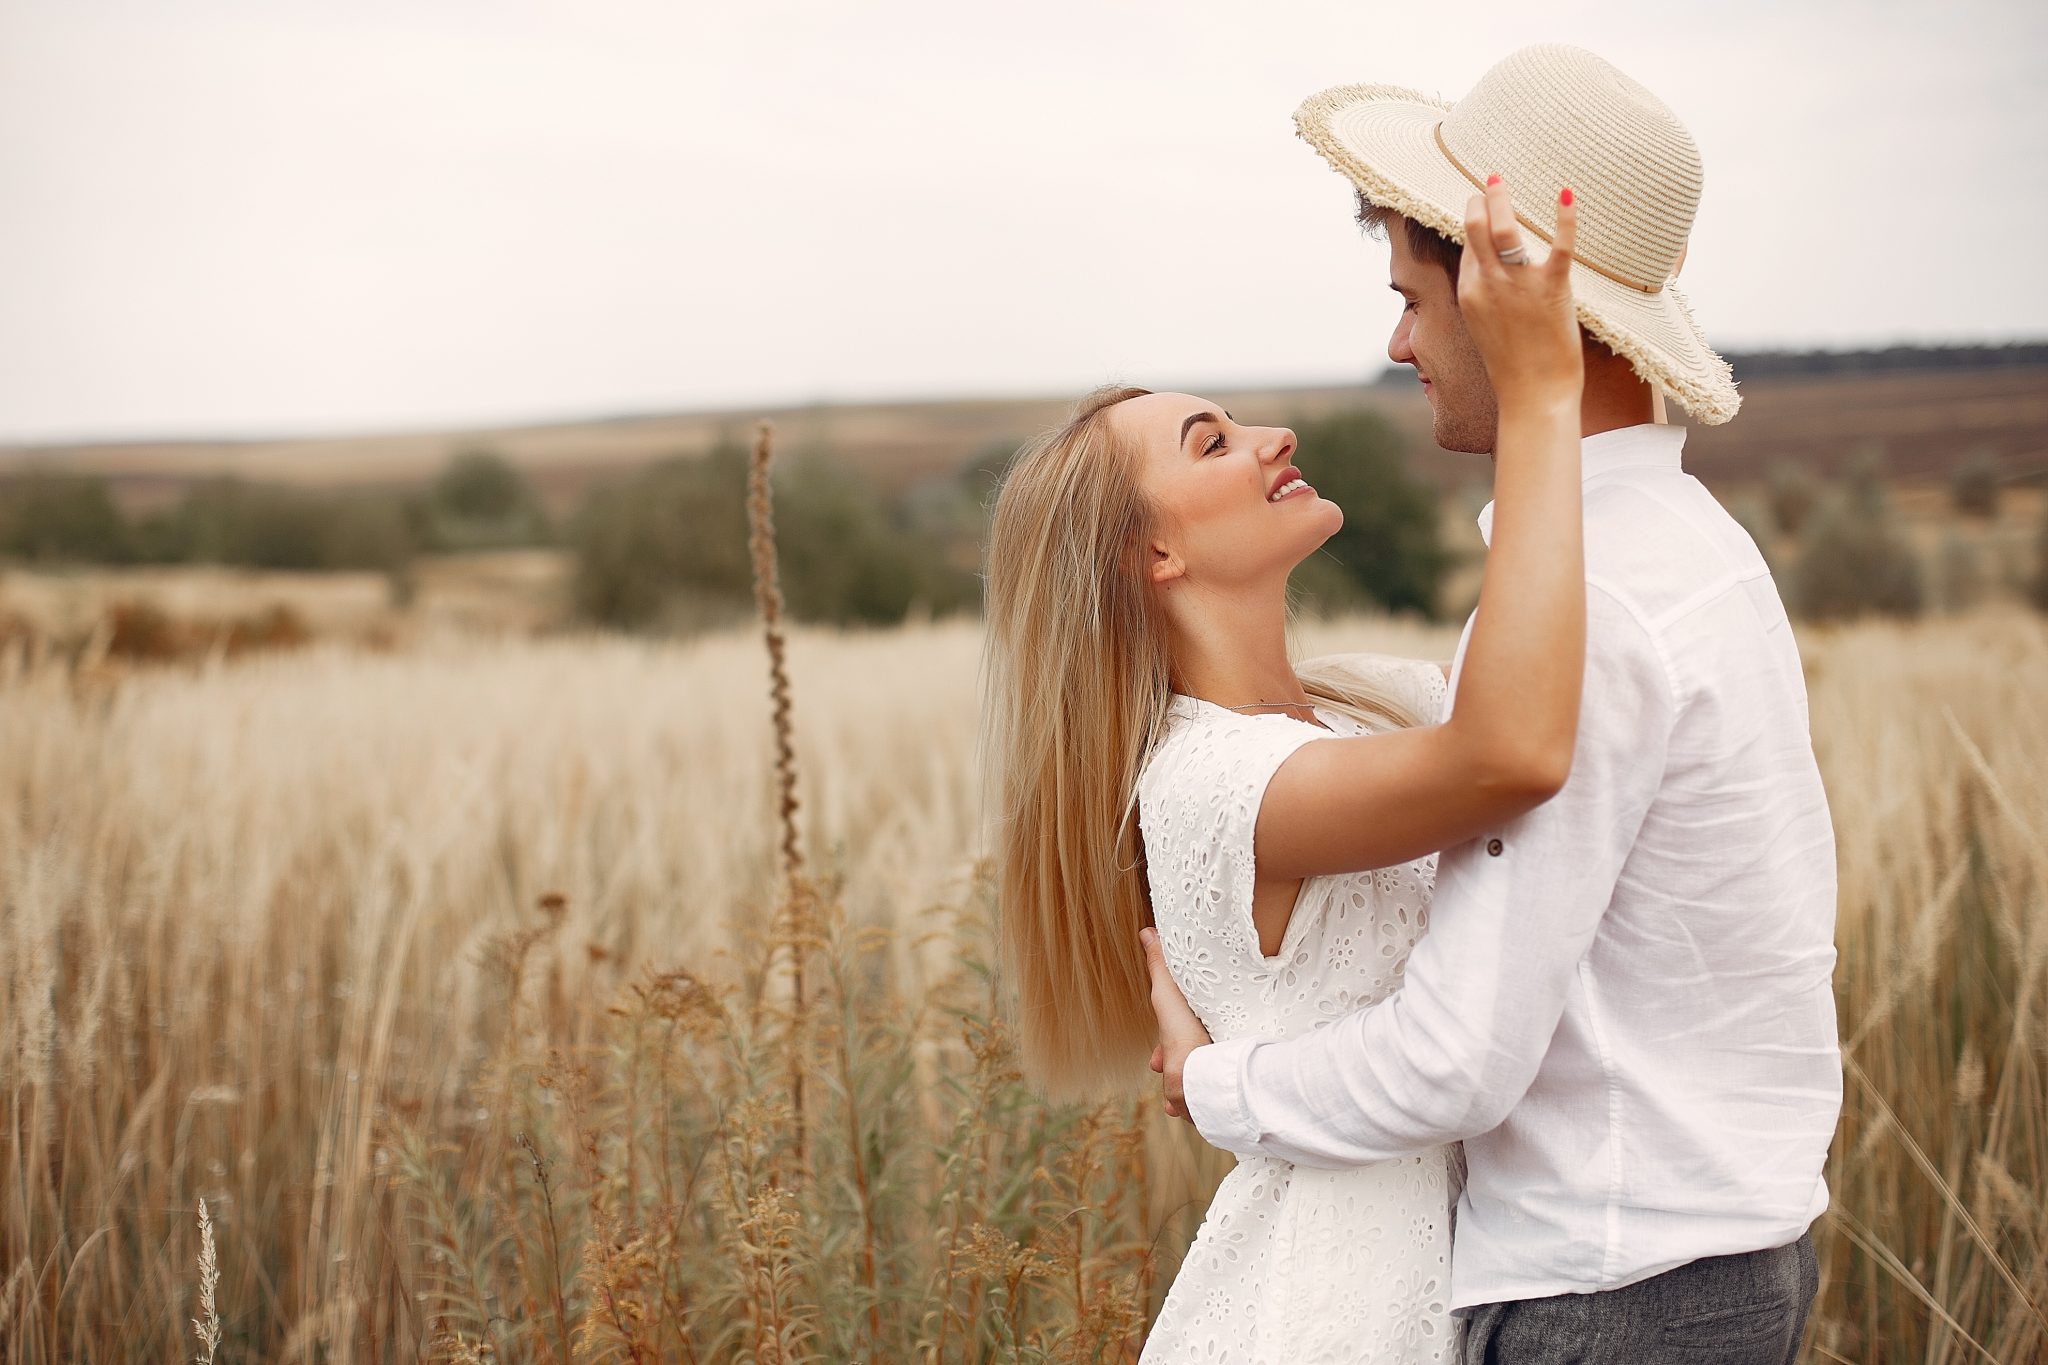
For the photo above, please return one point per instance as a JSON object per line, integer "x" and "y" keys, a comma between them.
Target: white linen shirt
{"x": 1623, "y": 1004}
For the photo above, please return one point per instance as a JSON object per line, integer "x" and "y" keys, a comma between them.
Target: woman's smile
{"x": 1290, "y": 484}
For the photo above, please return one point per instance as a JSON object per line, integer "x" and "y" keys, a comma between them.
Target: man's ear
{"x": 1163, "y": 564}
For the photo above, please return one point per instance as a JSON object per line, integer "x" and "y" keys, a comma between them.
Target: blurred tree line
{"x": 665, "y": 547}
{"x": 480, "y": 501}
{"x": 668, "y": 547}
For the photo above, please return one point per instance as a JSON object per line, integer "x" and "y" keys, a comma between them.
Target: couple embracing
{"x": 1508, "y": 980}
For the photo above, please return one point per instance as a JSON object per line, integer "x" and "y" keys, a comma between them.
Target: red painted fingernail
{"x": 1493, "y": 180}
{"x": 1565, "y": 195}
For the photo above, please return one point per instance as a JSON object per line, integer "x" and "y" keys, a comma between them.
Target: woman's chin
{"x": 1328, "y": 524}
{"x": 1329, "y": 518}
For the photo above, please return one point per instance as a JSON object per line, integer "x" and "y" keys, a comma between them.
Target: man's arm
{"x": 1450, "y": 1053}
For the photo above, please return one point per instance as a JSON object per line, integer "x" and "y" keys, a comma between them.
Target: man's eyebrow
{"x": 1398, "y": 287}
{"x": 1193, "y": 418}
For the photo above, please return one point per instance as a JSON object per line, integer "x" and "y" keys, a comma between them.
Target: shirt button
{"x": 1493, "y": 848}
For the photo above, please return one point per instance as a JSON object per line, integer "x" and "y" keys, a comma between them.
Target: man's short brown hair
{"x": 1427, "y": 243}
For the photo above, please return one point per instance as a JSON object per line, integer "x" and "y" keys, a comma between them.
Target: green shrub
{"x": 1389, "y": 543}
{"x": 481, "y": 500}
{"x": 1856, "y": 561}
{"x": 267, "y": 526}
{"x": 673, "y": 528}
{"x": 668, "y": 547}
{"x": 1973, "y": 486}
{"x": 849, "y": 556}
{"x": 1793, "y": 494}
{"x": 62, "y": 518}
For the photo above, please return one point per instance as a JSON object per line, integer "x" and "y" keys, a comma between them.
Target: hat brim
{"x": 1383, "y": 139}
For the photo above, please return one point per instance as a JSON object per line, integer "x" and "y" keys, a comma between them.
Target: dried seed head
{"x": 1970, "y": 1076}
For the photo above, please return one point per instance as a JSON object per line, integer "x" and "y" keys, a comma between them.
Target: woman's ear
{"x": 1163, "y": 564}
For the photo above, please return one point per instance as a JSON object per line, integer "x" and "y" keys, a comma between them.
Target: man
{"x": 1623, "y": 1005}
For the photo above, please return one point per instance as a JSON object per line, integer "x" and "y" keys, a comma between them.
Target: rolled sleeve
{"x": 1213, "y": 1081}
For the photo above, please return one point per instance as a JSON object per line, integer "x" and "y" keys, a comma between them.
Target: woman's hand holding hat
{"x": 1520, "y": 316}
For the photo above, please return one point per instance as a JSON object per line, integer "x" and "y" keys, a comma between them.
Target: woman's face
{"x": 1233, "y": 511}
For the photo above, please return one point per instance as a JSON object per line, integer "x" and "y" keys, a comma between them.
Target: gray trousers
{"x": 1748, "y": 1309}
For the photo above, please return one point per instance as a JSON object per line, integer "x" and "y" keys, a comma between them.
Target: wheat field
{"x": 461, "y": 983}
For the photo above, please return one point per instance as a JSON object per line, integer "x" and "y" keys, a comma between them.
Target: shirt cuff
{"x": 1212, "y": 1083}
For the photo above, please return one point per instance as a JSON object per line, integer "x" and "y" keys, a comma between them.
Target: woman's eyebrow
{"x": 1193, "y": 418}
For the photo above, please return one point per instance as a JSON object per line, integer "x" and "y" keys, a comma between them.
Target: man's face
{"x": 1431, "y": 336}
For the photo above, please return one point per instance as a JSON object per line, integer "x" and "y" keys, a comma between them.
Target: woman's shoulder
{"x": 1194, "y": 725}
{"x": 1208, "y": 747}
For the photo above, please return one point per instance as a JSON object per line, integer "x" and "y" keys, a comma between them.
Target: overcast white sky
{"x": 256, "y": 216}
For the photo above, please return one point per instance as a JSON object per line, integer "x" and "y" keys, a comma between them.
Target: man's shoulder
{"x": 1659, "y": 545}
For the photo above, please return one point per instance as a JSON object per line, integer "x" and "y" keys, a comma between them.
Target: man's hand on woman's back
{"x": 1180, "y": 1028}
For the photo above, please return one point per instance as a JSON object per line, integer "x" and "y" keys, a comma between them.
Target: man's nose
{"x": 1398, "y": 349}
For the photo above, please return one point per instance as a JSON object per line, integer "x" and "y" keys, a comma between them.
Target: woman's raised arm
{"x": 1340, "y": 805}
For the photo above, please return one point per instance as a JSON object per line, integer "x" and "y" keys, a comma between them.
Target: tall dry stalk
{"x": 768, "y": 598}
{"x": 794, "y": 919}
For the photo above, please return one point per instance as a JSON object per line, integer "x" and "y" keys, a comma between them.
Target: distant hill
{"x": 1892, "y": 359}
{"x": 1923, "y": 422}
{"x": 1924, "y": 407}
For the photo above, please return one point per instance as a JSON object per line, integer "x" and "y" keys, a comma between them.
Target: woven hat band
{"x": 1549, "y": 239}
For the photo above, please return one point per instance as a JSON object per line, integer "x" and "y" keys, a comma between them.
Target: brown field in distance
{"x": 1924, "y": 422}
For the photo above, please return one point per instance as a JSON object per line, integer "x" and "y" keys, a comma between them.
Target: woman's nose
{"x": 1279, "y": 444}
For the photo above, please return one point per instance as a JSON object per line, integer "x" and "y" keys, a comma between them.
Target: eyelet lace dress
{"x": 1293, "y": 1266}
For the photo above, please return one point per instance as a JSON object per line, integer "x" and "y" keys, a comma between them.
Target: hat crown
{"x": 1552, "y": 115}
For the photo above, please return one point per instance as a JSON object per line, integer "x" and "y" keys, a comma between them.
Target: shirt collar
{"x": 1646, "y": 443}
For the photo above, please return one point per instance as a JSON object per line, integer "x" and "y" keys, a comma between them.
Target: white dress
{"x": 1293, "y": 1266}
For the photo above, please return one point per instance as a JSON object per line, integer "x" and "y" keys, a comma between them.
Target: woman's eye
{"x": 1214, "y": 444}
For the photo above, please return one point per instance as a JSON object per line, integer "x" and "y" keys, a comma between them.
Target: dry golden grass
{"x": 501, "y": 590}
{"x": 448, "y": 978}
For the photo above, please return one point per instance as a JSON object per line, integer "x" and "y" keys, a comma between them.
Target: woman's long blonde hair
{"x": 1078, "y": 678}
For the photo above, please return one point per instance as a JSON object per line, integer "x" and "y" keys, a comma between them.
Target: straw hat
{"x": 1546, "y": 117}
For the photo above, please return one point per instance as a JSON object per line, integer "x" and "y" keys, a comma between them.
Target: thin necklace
{"x": 1250, "y": 704}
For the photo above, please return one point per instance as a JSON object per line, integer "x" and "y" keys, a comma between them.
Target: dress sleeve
{"x": 1198, "y": 810}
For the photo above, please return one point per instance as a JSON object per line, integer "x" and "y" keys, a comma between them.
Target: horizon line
{"x": 14, "y": 447}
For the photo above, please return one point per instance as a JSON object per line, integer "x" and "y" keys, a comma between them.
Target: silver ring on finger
{"x": 1515, "y": 255}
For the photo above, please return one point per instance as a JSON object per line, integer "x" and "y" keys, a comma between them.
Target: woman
{"x": 1286, "y": 818}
